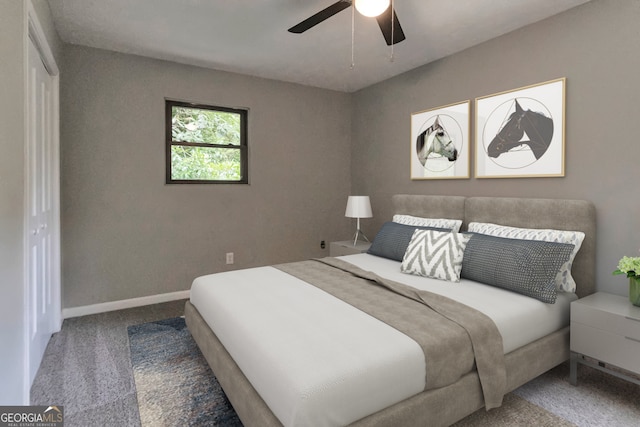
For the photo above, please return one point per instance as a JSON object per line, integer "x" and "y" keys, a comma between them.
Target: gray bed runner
{"x": 452, "y": 335}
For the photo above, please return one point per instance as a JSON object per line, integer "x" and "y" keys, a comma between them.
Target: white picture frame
{"x": 440, "y": 144}
{"x": 520, "y": 133}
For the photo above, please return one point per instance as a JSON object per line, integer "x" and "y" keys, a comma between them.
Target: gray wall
{"x": 597, "y": 48}
{"x": 126, "y": 234}
{"x": 13, "y": 39}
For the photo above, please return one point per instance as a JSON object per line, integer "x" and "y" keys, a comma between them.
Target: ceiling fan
{"x": 388, "y": 21}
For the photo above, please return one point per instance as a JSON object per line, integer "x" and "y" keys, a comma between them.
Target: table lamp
{"x": 358, "y": 207}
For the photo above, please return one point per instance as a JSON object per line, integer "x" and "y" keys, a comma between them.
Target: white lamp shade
{"x": 358, "y": 207}
{"x": 371, "y": 8}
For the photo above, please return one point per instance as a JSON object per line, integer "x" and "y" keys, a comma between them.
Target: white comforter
{"x": 317, "y": 361}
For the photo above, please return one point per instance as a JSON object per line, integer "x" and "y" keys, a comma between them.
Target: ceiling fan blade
{"x": 384, "y": 21}
{"x": 320, "y": 16}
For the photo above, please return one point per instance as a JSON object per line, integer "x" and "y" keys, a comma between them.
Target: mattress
{"x": 316, "y": 360}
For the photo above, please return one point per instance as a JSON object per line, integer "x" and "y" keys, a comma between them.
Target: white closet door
{"x": 43, "y": 287}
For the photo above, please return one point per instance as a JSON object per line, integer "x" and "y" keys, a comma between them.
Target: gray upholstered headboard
{"x": 560, "y": 214}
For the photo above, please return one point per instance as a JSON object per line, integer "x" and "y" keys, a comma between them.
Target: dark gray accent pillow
{"x": 528, "y": 267}
{"x": 393, "y": 238}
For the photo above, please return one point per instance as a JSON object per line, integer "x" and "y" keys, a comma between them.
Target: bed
{"x": 389, "y": 387}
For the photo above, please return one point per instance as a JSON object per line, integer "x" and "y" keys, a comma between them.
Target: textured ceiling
{"x": 250, "y": 36}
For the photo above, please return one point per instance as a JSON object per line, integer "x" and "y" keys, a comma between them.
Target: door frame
{"x": 35, "y": 32}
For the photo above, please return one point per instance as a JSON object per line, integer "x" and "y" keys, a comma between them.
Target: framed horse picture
{"x": 440, "y": 142}
{"x": 520, "y": 133}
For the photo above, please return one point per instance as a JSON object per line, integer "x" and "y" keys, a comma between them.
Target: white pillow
{"x": 452, "y": 224}
{"x": 436, "y": 254}
{"x": 564, "y": 280}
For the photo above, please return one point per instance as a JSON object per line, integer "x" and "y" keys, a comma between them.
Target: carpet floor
{"x": 98, "y": 367}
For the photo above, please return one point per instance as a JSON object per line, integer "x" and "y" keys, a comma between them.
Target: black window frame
{"x": 169, "y": 142}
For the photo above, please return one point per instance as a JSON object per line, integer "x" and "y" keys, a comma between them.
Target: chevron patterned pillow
{"x": 435, "y": 254}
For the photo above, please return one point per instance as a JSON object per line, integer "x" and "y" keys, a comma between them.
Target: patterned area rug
{"x": 174, "y": 384}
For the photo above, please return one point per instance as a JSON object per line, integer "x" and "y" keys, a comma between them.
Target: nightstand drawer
{"x": 606, "y": 320}
{"x": 616, "y": 349}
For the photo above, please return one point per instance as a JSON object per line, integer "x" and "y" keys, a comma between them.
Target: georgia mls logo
{"x": 31, "y": 416}
{"x": 55, "y": 412}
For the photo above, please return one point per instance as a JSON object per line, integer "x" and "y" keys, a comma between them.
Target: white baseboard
{"x": 122, "y": 304}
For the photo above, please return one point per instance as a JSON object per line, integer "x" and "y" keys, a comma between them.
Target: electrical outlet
{"x": 322, "y": 244}
{"x": 229, "y": 257}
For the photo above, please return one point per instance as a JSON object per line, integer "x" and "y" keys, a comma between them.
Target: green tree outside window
{"x": 205, "y": 144}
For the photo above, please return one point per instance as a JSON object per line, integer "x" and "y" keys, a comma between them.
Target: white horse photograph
{"x": 435, "y": 142}
{"x": 439, "y": 142}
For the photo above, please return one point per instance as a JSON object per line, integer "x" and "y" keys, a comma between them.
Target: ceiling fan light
{"x": 372, "y": 8}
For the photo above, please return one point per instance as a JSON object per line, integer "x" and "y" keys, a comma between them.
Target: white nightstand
{"x": 346, "y": 248}
{"x": 605, "y": 327}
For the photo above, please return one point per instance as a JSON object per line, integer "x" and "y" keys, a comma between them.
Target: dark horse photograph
{"x": 520, "y": 132}
{"x": 523, "y": 130}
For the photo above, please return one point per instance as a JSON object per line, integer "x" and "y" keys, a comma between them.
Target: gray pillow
{"x": 393, "y": 238}
{"x": 528, "y": 267}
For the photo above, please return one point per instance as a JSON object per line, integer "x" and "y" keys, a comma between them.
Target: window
{"x": 205, "y": 144}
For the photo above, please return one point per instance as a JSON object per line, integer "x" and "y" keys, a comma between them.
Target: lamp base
{"x": 359, "y": 233}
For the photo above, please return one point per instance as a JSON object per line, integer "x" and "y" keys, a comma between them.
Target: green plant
{"x": 629, "y": 266}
